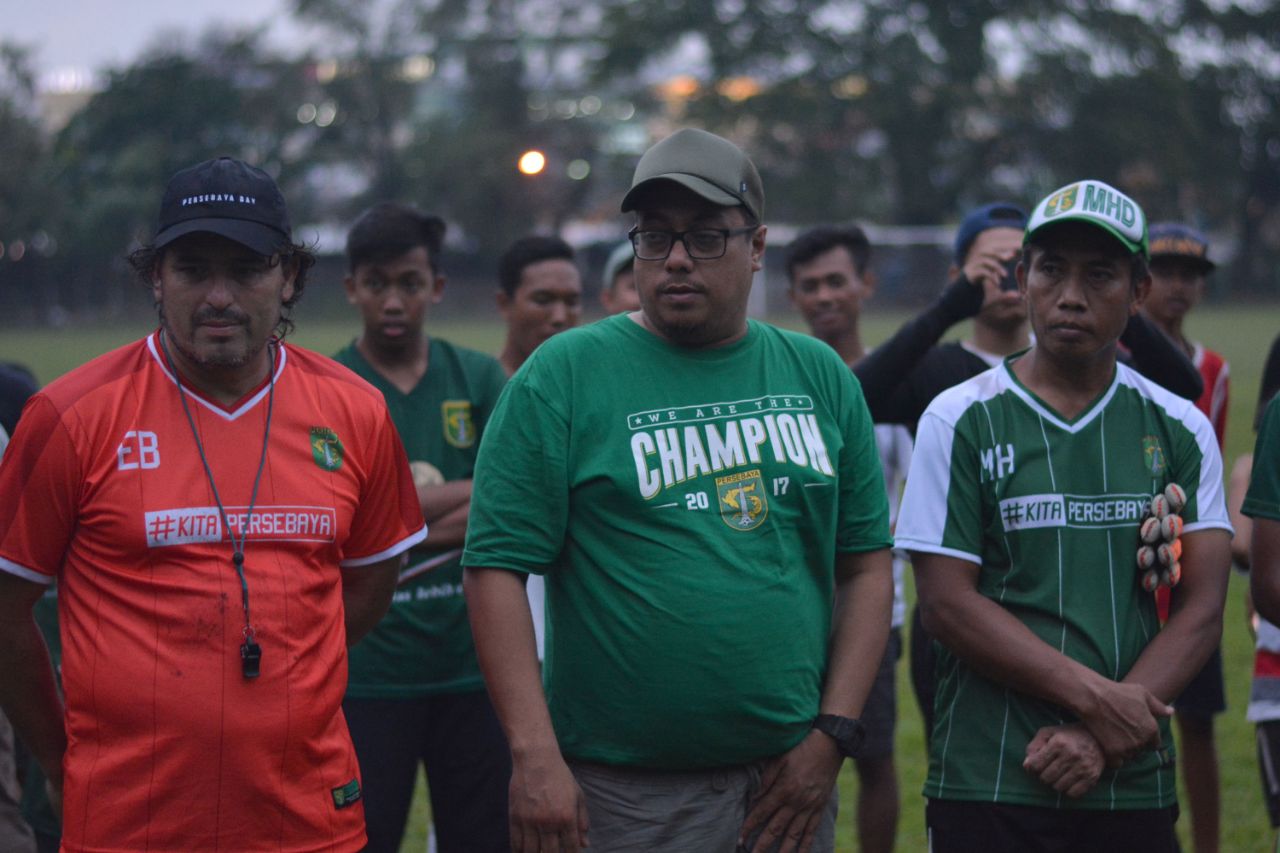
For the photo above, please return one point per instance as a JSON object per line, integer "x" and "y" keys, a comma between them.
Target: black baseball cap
{"x": 227, "y": 197}
{"x": 1000, "y": 214}
{"x": 1175, "y": 240}
{"x": 709, "y": 165}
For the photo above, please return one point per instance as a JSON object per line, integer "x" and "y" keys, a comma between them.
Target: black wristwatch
{"x": 845, "y": 731}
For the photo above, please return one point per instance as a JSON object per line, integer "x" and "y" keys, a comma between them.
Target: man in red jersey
{"x": 223, "y": 514}
{"x": 1180, "y": 265}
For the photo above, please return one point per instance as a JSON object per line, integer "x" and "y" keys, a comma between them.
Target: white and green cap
{"x": 709, "y": 165}
{"x": 1094, "y": 203}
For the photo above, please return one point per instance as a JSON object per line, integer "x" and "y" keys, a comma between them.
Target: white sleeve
{"x": 922, "y": 519}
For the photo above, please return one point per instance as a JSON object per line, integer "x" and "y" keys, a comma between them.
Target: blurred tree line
{"x": 886, "y": 112}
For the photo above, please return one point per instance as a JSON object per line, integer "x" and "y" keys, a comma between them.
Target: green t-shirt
{"x": 1049, "y": 509}
{"x": 1263, "y": 498}
{"x": 423, "y": 645}
{"x": 686, "y": 507}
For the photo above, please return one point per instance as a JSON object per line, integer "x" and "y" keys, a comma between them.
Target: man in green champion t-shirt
{"x": 1021, "y": 513}
{"x": 415, "y": 693}
{"x": 704, "y": 497}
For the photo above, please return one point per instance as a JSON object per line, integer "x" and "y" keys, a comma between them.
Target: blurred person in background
{"x": 17, "y": 384}
{"x": 1180, "y": 265}
{"x": 1264, "y": 688}
{"x": 829, "y": 279}
{"x": 415, "y": 696}
{"x": 618, "y": 287}
{"x": 539, "y": 295}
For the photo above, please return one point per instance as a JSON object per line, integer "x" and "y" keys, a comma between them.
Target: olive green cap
{"x": 709, "y": 165}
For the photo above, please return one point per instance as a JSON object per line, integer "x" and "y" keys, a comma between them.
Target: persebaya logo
{"x": 459, "y": 429}
{"x": 1152, "y": 454}
{"x": 743, "y": 505}
{"x": 347, "y": 795}
{"x": 1061, "y": 202}
{"x": 326, "y": 448}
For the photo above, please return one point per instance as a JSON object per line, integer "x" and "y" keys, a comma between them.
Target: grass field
{"x": 1242, "y": 335}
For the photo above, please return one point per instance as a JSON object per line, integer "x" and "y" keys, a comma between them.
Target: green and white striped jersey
{"x": 1049, "y": 509}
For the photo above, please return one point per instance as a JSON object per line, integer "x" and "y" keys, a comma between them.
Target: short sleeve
{"x": 520, "y": 492}
{"x": 1201, "y": 475}
{"x": 1263, "y": 498}
{"x": 39, "y": 489}
{"x": 388, "y": 520}
{"x": 941, "y": 510}
{"x": 864, "y": 505}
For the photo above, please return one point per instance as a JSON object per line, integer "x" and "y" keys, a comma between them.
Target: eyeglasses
{"x": 702, "y": 244}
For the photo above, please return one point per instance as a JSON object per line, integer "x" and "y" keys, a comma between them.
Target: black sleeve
{"x": 1154, "y": 354}
{"x": 16, "y": 386}
{"x": 882, "y": 372}
{"x": 1270, "y": 382}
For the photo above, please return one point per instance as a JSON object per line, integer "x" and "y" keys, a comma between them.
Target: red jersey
{"x": 170, "y": 747}
{"x": 1213, "y": 401}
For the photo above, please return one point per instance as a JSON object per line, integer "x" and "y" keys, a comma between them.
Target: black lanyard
{"x": 250, "y": 651}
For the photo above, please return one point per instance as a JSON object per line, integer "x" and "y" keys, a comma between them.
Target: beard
{"x": 692, "y": 331}
{"x": 218, "y": 357}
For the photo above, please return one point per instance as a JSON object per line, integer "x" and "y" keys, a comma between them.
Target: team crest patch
{"x": 326, "y": 448}
{"x": 459, "y": 428}
{"x": 1061, "y": 202}
{"x": 743, "y": 505}
{"x": 347, "y": 795}
{"x": 1152, "y": 454}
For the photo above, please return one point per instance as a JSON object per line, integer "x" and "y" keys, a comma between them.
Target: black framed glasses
{"x": 701, "y": 244}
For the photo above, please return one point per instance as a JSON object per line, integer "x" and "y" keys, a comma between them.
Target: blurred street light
{"x": 532, "y": 162}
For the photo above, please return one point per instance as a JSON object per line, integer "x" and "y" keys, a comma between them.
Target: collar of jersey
{"x": 716, "y": 353}
{"x": 990, "y": 358}
{"x": 1042, "y": 408}
{"x": 374, "y": 377}
{"x": 245, "y": 405}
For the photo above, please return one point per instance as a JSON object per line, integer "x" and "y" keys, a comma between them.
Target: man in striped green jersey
{"x": 1021, "y": 511}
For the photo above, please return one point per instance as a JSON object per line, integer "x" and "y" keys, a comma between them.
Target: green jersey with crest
{"x": 1263, "y": 497}
{"x": 423, "y": 645}
{"x": 687, "y": 508}
{"x": 1049, "y": 509}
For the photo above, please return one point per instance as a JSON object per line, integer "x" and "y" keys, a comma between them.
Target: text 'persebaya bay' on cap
{"x": 709, "y": 165}
{"x": 1093, "y": 203}
{"x": 227, "y": 197}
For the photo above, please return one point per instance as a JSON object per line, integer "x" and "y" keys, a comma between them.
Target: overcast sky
{"x": 96, "y": 34}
